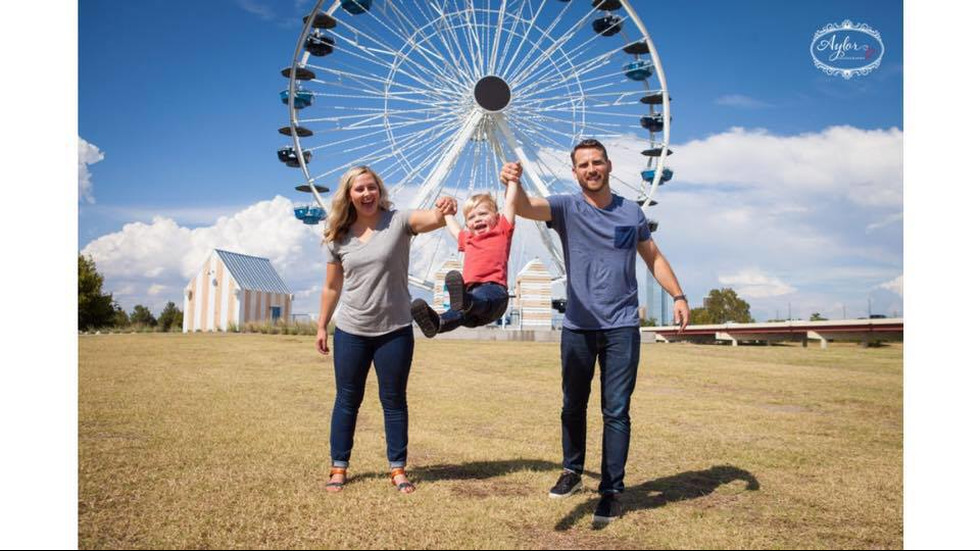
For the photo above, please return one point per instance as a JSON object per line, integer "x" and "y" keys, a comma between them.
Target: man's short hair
{"x": 589, "y": 143}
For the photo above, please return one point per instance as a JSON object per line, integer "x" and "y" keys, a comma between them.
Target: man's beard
{"x": 584, "y": 184}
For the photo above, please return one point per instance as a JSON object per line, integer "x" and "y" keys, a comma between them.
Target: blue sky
{"x": 180, "y": 99}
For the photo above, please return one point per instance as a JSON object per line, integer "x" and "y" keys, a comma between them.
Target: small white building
{"x": 534, "y": 295}
{"x": 233, "y": 288}
{"x": 440, "y": 298}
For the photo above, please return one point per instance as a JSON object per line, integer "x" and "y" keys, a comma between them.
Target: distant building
{"x": 530, "y": 309}
{"x": 234, "y": 288}
{"x": 440, "y": 298}
{"x": 534, "y": 295}
{"x": 649, "y": 309}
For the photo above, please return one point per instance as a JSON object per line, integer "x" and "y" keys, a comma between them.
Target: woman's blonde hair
{"x": 475, "y": 200}
{"x": 342, "y": 212}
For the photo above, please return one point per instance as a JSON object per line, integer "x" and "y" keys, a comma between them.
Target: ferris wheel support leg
{"x": 420, "y": 283}
{"x": 433, "y": 183}
{"x": 539, "y": 186}
{"x": 540, "y": 189}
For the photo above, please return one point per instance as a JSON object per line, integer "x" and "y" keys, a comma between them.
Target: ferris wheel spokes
{"x": 435, "y": 180}
{"x": 528, "y": 65}
{"x": 539, "y": 188}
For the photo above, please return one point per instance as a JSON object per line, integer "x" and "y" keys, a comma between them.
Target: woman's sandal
{"x": 336, "y": 486}
{"x": 404, "y": 487}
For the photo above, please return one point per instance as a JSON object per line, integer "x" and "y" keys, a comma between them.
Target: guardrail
{"x": 863, "y": 331}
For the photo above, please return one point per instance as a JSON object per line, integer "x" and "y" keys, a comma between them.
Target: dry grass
{"x": 221, "y": 441}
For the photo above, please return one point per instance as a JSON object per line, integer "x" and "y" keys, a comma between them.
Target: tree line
{"x": 724, "y": 306}
{"x": 98, "y": 310}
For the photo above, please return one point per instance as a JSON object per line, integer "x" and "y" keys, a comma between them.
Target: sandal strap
{"x": 400, "y": 471}
{"x": 338, "y": 470}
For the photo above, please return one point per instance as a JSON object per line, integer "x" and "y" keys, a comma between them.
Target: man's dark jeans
{"x": 618, "y": 352}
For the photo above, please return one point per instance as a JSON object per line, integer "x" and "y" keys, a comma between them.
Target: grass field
{"x": 221, "y": 441}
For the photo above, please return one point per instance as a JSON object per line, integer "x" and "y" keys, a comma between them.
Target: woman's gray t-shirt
{"x": 375, "y": 299}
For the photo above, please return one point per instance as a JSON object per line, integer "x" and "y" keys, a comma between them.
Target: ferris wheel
{"x": 435, "y": 95}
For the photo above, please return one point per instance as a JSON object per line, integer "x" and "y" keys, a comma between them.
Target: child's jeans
{"x": 488, "y": 302}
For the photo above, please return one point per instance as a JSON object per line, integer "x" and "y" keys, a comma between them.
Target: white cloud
{"x": 87, "y": 154}
{"x": 896, "y": 285}
{"x": 281, "y": 13}
{"x": 257, "y": 8}
{"x": 162, "y": 256}
{"x": 308, "y": 292}
{"x": 862, "y": 166}
{"x": 157, "y": 289}
{"x": 123, "y": 290}
{"x": 888, "y": 220}
{"x": 753, "y": 283}
{"x": 739, "y": 100}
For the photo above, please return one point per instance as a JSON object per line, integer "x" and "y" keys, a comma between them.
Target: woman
{"x": 368, "y": 244}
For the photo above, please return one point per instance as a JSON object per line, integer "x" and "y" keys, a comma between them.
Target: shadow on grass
{"x": 481, "y": 470}
{"x": 475, "y": 470}
{"x": 660, "y": 492}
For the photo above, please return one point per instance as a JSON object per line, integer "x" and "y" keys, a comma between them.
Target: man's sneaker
{"x": 426, "y": 317}
{"x": 457, "y": 291}
{"x": 568, "y": 483}
{"x": 608, "y": 510}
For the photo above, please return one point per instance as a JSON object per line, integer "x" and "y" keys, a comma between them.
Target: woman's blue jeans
{"x": 391, "y": 354}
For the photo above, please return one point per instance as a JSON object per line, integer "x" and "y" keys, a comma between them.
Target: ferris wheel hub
{"x": 492, "y": 93}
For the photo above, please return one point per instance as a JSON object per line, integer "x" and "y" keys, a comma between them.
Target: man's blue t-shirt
{"x": 600, "y": 260}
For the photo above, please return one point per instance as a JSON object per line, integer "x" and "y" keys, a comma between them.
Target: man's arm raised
{"x": 532, "y": 208}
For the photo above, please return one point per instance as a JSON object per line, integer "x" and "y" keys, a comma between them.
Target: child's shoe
{"x": 426, "y": 317}
{"x": 457, "y": 291}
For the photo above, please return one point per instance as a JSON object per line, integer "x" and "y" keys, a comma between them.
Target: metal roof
{"x": 253, "y": 273}
{"x": 535, "y": 265}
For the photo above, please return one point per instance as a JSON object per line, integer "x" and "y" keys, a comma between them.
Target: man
{"x": 600, "y": 234}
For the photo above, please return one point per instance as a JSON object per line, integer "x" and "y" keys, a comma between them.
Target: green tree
{"x": 95, "y": 309}
{"x": 817, "y": 317}
{"x": 142, "y": 316}
{"x": 119, "y": 317}
{"x": 699, "y": 316}
{"x": 723, "y": 305}
{"x": 171, "y": 317}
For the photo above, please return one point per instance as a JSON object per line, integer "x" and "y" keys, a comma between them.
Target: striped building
{"x": 440, "y": 298}
{"x": 534, "y": 295}
{"x": 234, "y": 288}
